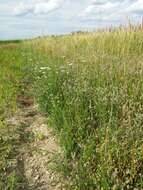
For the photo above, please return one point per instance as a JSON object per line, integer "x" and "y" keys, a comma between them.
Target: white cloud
{"x": 65, "y": 16}
{"x": 23, "y": 9}
{"x": 37, "y": 7}
{"x": 136, "y": 7}
{"x": 112, "y": 10}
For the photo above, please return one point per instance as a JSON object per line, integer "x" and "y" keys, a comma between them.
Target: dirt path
{"x": 36, "y": 150}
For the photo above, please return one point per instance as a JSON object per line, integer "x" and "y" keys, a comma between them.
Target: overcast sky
{"x": 29, "y": 18}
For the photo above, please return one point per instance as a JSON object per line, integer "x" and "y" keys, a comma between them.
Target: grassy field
{"x": 90, "y": 86}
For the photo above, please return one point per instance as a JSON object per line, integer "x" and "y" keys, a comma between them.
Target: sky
{"x": 30, "y": 18}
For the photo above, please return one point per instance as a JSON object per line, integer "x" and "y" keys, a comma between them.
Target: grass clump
{"x": 91, "y": 86}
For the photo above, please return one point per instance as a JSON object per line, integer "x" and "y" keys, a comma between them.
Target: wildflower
{"x": 62, "y": 71}
{"x": 45, "y": 68}
{"x": 70, "y": 64}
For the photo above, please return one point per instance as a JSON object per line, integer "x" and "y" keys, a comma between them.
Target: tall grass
{"x": 91, "y": 87}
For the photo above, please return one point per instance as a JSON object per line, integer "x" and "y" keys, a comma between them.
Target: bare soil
{"x": 36, "y": 150}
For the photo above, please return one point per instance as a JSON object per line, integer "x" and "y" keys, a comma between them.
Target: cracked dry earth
{"x": 36, "y": 151}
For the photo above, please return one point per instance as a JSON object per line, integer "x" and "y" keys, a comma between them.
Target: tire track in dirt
{"x": 36, "y": 149}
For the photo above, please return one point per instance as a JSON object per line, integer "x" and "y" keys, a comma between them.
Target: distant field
{"x": 9, "y": 41}
{"x": 90, "y": 87}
